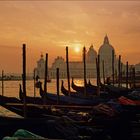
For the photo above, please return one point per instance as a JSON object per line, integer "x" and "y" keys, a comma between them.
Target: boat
{"x": 32, "y": 100}
{"x": 115, "y": 91}
{"x": 91, "y": 86}
{"x": 72, "y": 93}
{"x": 5, "y": 99}
{"x": 91, "y": 90}
{"x": 70, "y": 100}
{"x": 45, "y": 128}
{"x": 29, "y": 99}
{"x": 103, "y": 95}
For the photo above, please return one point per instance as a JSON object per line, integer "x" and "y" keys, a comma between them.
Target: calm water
{"x": 11, "y": 88}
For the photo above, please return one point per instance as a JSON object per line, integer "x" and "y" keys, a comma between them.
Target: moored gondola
{"x": 32, "y": 100}
{"x": 91, "y": 90}
{"x": 72, "y": 93}
{"x": 70, "y": 100}
{"x": 116, "y": 91}
{"x": 5, "y": 99}
{"x": 75, "y": 94}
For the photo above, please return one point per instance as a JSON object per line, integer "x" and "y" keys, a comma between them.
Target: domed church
{"x": 91, "y": 55}
{"x": 105, "y": 52}
{"x": 76, "y": 67}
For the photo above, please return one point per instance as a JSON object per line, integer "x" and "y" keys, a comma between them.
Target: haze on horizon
{"x": 50, "y": 26}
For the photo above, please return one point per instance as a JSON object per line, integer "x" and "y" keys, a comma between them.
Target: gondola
{"x": 91, "y": 86}
{"x": 103, "y": 95}
{"x": 72, "y": 93}
{"x": 32, "y": 106}
{"x": 116, "y": 91}
{"x": 45, "y": 128}
{"x": 69, "y": 100}
{"x": 32, "y": 100}
{"x": 29, "y": 99}
{"x": 5, "y": 99}
{"x": 32, "y": 110}
{"x": 64, "y": 128}
{"x": 90, "y": 89}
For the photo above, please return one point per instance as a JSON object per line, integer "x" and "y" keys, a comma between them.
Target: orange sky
{"x": 49, "y": 26}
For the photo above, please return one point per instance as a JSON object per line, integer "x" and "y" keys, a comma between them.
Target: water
{"x": 11, "y": 88}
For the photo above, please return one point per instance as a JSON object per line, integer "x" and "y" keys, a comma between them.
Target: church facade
{"x": 77, "y": 67}
{"x": 107, "y": 52}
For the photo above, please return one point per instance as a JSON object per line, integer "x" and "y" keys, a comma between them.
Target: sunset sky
{"x": 50, "y": 26}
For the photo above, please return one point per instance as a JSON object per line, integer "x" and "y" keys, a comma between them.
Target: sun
{"x": 77, "y": 49}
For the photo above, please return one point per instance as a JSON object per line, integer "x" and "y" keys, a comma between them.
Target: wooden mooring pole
{"x": 127, "y": 74}
{"x": 68, "y": 73}
{"x": 116, "y": 76}
{"x": 99, "y": 80}
{"x": 2, "y": 82}
{"x": 34, "y": 83}
{"x": 134, "y": 77}
{"x": 45, "y": 79}
{"x": 131, "y": 77}
{"x": 24, "y": 80}
{"x": 113, "y": 66}
{"x": 98, "y": 74}
{"x": 119, "y": 71}
{"x": 121, "y": 74}
{"x": 57, "y": 84}
{"x": 84, "y": 60}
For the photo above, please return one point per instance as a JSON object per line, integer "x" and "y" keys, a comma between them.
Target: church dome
{"x": 105, "y": 53}
{"x": 58, "y": 62}
{"x": 106, "y": 48}
{"x": 91, "y": 55}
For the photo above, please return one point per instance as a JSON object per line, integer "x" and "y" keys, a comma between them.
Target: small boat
{"x": 72, "y": 93}
{"x": 115, "y": 91}
{"x": 90, "y": 89}
{"x": 91, "y": 86}
{"x": 5, "y": 99}
{"x": 28, "y": 99}
{"x": 131, "y": 106}
{"x": 33, "y": 100}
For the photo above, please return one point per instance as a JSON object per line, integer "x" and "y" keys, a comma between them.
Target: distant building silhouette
{"x": 105, "y": 52}
{"x": 76, "y": 67}
{"x": 91, "y": 55}
{"x": 40, "y": 70}
{"x": 137, "y": 67}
